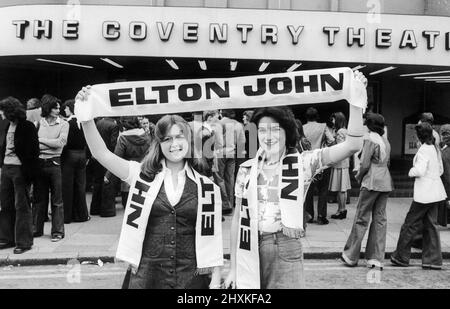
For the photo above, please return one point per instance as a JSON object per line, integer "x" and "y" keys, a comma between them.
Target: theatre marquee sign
{"x": 224, "y": 33}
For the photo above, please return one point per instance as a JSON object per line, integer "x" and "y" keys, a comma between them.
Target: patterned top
{"x": 269, "y": 215}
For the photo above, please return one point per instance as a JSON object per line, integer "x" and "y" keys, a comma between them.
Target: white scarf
{"x": 291, "y": 189}
{"x": 208, "y": 237}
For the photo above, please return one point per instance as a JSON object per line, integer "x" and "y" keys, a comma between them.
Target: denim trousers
{"x": 420, "y": 215}
{"x": 281, "y": 262}
{"x": 48, "y": 180}
{"x": 74, "y": 186}
{"x": 16, "y": 220}
{"x": 370, "y": 204}
{"x": 226, "y": 172}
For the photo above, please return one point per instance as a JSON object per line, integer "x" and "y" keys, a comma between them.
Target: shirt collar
{"x": 44, "y": 121}
{"x": 186, "y": 169}
{"x": 70, "y": 118}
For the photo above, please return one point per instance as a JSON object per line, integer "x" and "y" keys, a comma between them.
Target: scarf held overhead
{"x": 180, "y": 96}
{"x": 208, "y": 238}
{"x": 290, "y": 192}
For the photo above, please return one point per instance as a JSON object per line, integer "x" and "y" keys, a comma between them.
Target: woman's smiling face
{"x": 175, "y": 145}
{"x": 271, "y": 136}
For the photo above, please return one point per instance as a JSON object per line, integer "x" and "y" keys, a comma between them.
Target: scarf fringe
{"x": 291, "y": 232}
{"x": 204, "y": 271}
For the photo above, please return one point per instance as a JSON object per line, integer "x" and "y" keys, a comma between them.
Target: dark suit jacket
{"x": 26, "y": 144}
{"x": 109, "y": 131}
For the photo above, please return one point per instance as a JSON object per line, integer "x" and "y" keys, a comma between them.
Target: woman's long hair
{"x": 151, "y": 165}
{"x": 340, "y": 121}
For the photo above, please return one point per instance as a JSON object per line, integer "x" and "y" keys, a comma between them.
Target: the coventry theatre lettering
{"x": 219, "y": 33}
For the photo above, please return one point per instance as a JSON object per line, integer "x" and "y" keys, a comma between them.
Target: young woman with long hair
{"x": 340, "y": 177}
{"x": 171, "y": 234}
{"x": 266, "y": 250}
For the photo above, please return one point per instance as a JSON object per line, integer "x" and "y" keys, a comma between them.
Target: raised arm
{"x": 97, "y": 146}
{"x": 355, "y": 131}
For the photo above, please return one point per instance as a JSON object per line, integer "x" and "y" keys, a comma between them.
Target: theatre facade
{"x": 403, "y": 47}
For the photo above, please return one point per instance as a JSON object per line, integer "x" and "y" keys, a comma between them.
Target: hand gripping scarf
{"x": 290, "y": 190}
{"x": 208, "y": 238}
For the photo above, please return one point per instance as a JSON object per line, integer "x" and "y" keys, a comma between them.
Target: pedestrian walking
{"x": 171, "y": 246}
{"x": 376, "y": 183}
{"x": 19, "y": 163}
{"x": 266, "y": 249}
{"x": 429, "y": 192}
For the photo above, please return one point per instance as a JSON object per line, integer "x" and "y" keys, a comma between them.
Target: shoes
{"x": 322, "y": 221}
{"x": 56, "y": 238}
{"x": 19, "y": 250}
{"x": 340, "y": 215}
{"x": 347, "y": 264}
{"x": 374, "y": 264}
{"x": 37, "y": 234}
{"x": 5, "y": 245}
{"x": 399, "y": 263}
{"x": 310, "y": 221}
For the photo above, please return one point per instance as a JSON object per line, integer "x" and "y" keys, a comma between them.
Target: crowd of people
{"x": 266, "y": 170}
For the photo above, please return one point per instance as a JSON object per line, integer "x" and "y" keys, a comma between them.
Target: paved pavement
{"x": 318, "y": 274}
{"x": 98, "y": 238}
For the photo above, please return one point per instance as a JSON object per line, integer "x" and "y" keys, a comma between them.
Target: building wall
{"x": 418, "y": 7}
{"x": 399, "y": 100}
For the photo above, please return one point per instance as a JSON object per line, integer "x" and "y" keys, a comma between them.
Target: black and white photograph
{"x": 241, "y": 146}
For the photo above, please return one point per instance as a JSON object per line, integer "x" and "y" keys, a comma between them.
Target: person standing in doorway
{"x": 73, "y": 163}
{"x": 233, "y": 147}
{"x": 109, "y": 131}
{"x": 52, "y": 133}
{"x": 19, "y": 160}
{"x": 340, "y": 177}
{"x": 319, "y": 137}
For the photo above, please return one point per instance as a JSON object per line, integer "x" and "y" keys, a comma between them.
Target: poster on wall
{"x": 411, "y": 140}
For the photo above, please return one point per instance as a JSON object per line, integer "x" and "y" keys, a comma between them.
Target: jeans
{"x": 226, "y": 172}
{"x": 281, "y": 262}
{"x": 370, "y": 204}
{"x": 322, "y": 183}
{"x": 16, "y": 220}
{"x": 419, "y": 214}
{"x": 49, "y": 179}
{"x": 74, "y": 186}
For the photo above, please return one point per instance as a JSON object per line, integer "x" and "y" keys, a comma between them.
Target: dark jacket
{"x": 109, "y": 131}
{"x": 26, "y": 144}
{"x": 132, "y": 147}
{"x": 75, "y": 138}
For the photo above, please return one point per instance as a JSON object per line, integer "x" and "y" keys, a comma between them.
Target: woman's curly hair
{"x": 13, "y": 109}
{"x": 285, "y": 117}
